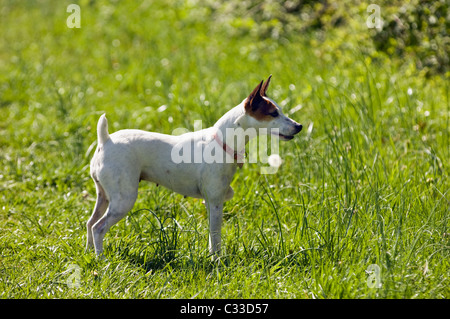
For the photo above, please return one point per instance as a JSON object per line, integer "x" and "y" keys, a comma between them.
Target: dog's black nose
{"x": 298, "y": 127}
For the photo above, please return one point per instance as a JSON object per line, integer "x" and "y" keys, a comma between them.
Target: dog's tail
{"x": 102, "y": 130}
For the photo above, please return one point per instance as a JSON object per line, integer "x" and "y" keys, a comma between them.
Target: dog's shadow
{"x": 152, "y": 262}
{"x": 155, "y": 243}
{"x": 171, "y": 261}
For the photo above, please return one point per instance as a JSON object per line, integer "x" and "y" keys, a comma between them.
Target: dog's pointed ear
{"x": 256, "y": 92}
{"x": 254, "y": 98}
{"x": 265, "y": 86}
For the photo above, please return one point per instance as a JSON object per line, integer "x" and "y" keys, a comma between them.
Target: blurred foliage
{"x": 418, "y": 28}
{"x": 269, "y": 18}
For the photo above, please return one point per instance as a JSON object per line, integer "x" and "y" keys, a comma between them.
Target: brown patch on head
{"x": 257, "y": 106}
{"x": 261, "y": 110}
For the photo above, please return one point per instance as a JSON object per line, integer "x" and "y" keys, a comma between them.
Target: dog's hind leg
{"x": 99, "y": 210}
{"x": 119, "y": 205}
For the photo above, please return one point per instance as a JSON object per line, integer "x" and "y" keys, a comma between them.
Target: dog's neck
{"x": 232, "y": 126}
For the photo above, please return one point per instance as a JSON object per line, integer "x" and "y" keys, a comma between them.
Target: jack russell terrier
{"x": 126, "y": 157}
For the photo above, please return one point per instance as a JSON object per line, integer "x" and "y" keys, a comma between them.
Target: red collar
{"x": 237, "y": 156}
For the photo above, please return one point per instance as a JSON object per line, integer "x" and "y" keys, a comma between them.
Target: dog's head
{"x": 262, "y": 112}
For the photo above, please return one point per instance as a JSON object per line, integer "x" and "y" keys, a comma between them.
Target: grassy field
{"x": 365, "y": 183}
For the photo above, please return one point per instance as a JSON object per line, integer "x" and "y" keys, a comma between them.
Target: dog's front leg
{"x": 215, "y": 210}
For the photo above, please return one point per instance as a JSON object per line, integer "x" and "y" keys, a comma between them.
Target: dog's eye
{"x": 274, "y": 114}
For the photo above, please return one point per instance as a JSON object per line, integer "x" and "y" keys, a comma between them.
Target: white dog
{"x": 208, "y": 163}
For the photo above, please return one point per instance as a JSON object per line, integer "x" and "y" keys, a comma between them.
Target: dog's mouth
{"x": 283, "y": 137}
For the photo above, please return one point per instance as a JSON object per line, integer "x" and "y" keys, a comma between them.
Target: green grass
{"x": 366, "y": 181}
